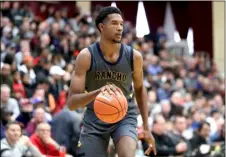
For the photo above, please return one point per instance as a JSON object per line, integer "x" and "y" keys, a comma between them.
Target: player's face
{"x": 113, "y": 28}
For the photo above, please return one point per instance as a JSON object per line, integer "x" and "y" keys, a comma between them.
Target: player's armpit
{"x": 77, "y": 98}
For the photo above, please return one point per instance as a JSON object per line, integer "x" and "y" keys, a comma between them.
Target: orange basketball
{"x": 110, "y": 108}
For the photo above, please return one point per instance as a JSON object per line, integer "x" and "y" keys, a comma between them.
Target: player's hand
{"x": 151, "y": 142}
{"x": 111, "y": 89}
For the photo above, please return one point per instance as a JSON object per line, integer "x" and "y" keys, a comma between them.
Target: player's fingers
{"x": 118, "y": 89}
{"x": 148, "y": 151}
{"x": 154, "y": 149}
{"x": 112, "y": 87}
{"x": 109, "y": 90}
{"x": 103, "y": 89}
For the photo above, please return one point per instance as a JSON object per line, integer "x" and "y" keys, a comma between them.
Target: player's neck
{"x": 109, "y": 48}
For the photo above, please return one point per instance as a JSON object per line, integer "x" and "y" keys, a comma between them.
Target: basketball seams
{"x": 106, "y": 113}
{"x": 107, "y": 104}
{"x": 110, "y": 105}
{"x": 109, "y": 114}
{"x": 119, "y": 103}
{"x": 116, "y": 104}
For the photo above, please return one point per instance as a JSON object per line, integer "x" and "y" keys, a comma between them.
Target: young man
{"x": 15, "y": 144}
{"x": 109, "y": 66}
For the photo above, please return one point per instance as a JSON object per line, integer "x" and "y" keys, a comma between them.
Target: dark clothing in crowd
{"x": 197, "y": 141}
{"x": 66, "y": 128}
{"x": 164, "y": 145}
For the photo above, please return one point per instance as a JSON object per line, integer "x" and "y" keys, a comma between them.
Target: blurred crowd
{"x": 185, "y": 93}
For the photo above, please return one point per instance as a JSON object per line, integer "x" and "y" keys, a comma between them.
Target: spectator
{"x": 188, "y": 102}
{"x": 165, "y": 91}
{"x": 15, "y": 144}
{"x": 160, "y": 35}
{"x": 29, "y": 88}
{"x": 153, "y": 106}
{"x": 58, "y": 60}
{"x": 66, "y": 129}
{"x": 27, "y": 68}
{"x": 26, "y": 112}
{"x": 18, "y": 87}
{"x": 8, "y": 55}
{"x": 39, "y": 117}
{"x": 9, "y": 103}
{"x": 200, "y": 136}
{"x": 179, "y": 87}
{"x": 6, "y": 77}
{"x": 215, "y": 120}
{"x": 44, "y": 40}
{"x": 17, "y": 13}
{"x": 191, "y": 81}
{"x": 176, "y": 104}
{"x": 154, "y": 68}
{"x": 5, "y": 6}
{"x": 164, "y": 144}
{"x": 56, "y": 86}
{"x": 42, "y": 69}
{"x": 43, "y": 141}
{"x": 5, "y": 118}
{"x": 177, "y": 135}
{"x": 219, "y": 136}
{"x": 6, "y": 37}
{"x": 165, "y": 108}
{"x": 49, "y": 101}
{"x": 24, "y": 51}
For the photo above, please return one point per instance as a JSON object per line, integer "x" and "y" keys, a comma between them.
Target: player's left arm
{"x": 142, "y": 97}
{"x": 140, "y": 90}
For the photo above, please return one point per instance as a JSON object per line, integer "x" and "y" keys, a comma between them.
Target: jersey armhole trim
{"x": 91, "y": 61}
{"x": 131, "y": 58}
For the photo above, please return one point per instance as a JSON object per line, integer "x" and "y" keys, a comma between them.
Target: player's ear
{"x": 101, "y": 26}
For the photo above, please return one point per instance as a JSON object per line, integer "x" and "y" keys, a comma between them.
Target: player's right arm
{"x": 77, "y": 98}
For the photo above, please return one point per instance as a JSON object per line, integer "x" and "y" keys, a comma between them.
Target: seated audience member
{"x": 201, "y": 136}
{"x": 176, "y": 104}
{"x": 177, "y": 134}
{"x": 18, "y": 87}
{"x": 39, "y": 117}
{"x": 6, "y": 77}
{"x": 164, "y": 92}
{"x": 219, "y": 136}
{"x": 43, "y": 141}
{"x": 9, "y": 103}
{"x": 28, "y": 87}
{"x": 49, "y": 101}
{"x": 66, "y": 129}
{"x": 26, "y": 112}
{"x": 28, "y": 68}
{"x": 15, "y": 145}
{"x": 164, "y": 144}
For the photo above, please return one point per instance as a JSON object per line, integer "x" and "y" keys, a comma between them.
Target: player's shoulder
{"x": 83, "y": 59}
{"x": 137, "y": 54}
{"x": 84, "y": 53}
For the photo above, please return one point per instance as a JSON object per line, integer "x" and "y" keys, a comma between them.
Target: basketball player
{"x": 110, "y": 66}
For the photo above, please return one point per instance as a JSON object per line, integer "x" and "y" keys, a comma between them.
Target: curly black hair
{"x": 104, "y": 12}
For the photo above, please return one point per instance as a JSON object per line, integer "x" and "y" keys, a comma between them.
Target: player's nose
{"x": 120, "y": 28}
